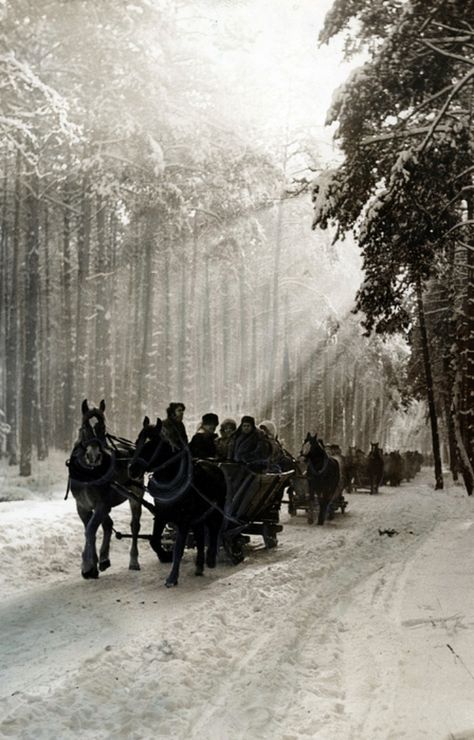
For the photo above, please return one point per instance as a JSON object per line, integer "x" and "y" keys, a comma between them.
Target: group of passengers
{"x": 252, "y": 445}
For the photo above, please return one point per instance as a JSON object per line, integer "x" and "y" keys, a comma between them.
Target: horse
{"x": 323, "y": 473}
{"x": 350, "y": 477}
{"x": 393, "y": 468}
{"x": 375, "y": 466}
{"x": 97, "y": 462}
{"x": 189, "y": 494}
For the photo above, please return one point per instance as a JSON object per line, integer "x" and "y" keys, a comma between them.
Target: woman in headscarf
{"x": 280, "y": 459}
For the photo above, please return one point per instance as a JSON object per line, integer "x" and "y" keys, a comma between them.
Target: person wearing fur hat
{"x": 250, "y": 446}
{"x": 203, "y": 444}
{"x": 173, "y": 429}
{"x": 227, "y": 430}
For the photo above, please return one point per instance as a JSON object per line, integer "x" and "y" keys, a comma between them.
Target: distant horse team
{"x": 186, "y": 481}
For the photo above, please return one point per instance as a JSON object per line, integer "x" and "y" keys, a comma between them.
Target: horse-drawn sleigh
{"x": 317, "y": 484}
{"x": 219, "y": 502}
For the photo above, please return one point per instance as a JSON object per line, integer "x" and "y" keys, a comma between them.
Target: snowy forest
{"x": 173, "y": 229}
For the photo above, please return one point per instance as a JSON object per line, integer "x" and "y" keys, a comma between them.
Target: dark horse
{"x": 188, "y": 493}
{"x": 374, "y": 467}
{"x": 98, "y": 461}
{"x": 323, "y": 473}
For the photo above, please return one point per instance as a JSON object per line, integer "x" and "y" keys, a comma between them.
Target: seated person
{"x": 280, "y": 459}
{"x": 250, "y": 446}
{"x": 173, "y": 429}
{"x": 203, "y": 444}
{"x": 227, "y": 430}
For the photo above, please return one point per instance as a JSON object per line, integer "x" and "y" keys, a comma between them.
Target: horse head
{"x": 312, "y": 450}
{"x": 147, "y": 446}
{"x": 375, "y": 450}
{"x": 92, "y": 433}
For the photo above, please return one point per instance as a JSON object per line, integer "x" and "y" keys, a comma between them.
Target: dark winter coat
{"x": 175, "y": 432}
{"x": 203, "y": 444}
{"x": 223, "y": 445}
{"x": 251, "y": 449}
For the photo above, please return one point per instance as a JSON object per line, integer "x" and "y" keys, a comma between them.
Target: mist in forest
{"x": 156, "y": 240}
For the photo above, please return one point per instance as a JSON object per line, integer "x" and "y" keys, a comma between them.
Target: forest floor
{"x": 341, "y": 633}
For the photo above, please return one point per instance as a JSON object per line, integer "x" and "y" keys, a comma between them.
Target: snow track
{"x": 323, "y": 638}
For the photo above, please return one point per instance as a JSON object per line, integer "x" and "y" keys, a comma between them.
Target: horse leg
{"x": 323, "y": 507}
{"x": 136, "y": 510}
{"x": 213, "y": 530}
{"x": 89, "y": 555}
{"x": 85, "y": 515}
{"x": 199, "y": 536}
{"x": 164, "y": 556}
{"x": 107, "y": 526}
{"x": 311, "y": 505}
{"x": 180, "y": 544}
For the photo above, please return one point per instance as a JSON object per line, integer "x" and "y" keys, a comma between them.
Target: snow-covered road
{"x": 340, "y": 633}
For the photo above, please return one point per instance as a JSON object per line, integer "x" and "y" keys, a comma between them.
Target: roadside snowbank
{"x": 339, "y": 634}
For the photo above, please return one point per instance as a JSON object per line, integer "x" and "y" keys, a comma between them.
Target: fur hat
{"x": 248, "y": 420}
{"x": 210, "y": 419}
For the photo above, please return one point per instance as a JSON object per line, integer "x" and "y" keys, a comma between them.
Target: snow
{"x": 341, "y": 633}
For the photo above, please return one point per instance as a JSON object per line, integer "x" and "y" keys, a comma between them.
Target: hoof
{"x": 170, "y": 584}
{"x": 91, "y": 573}
{"x": 134, "y": 566}
{"x": 199, "y": 572}
{"x": 104, "y": 564}
{"x": 211, "y": 563}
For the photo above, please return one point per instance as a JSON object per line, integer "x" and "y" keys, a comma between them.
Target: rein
{"x": 105, "y": 478}
{"x": 181, "y": 482}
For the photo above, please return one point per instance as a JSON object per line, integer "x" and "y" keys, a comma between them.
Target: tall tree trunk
{"x": 84, "y": 308}
{"x": 67, "y": 330}
{"x": 206, "y": 364}
{"x": 4, "y": 296}
{"x": 103, "y": 357}
{"x": 182, "y": 332}
{"x": 12, "y": 342}
{"x": 47, "y": 341}
{"x": 30, "y": 400}
{"x": 167, "y": 324}
{"x": 429, "y": 388}
{"x": 275, "y": 302}
{"x": 147, "y": 326}
{"x": 468, "y": 437}
{"x": 226, "y": 339}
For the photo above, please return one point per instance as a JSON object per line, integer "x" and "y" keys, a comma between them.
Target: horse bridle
{"x": 106, "y": 477}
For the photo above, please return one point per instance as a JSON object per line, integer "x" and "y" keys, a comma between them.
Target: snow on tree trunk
{"x": 67, "y": 327}
{"x": 30, "y": 400}
{"x": 429, "y": 388}
{"x": 12, "y": 327}
{"x": 83, "y": 307}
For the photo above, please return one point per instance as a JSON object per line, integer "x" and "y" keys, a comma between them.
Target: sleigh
{"x": 252, "y": 507}
{"x": 301, "y": 498}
